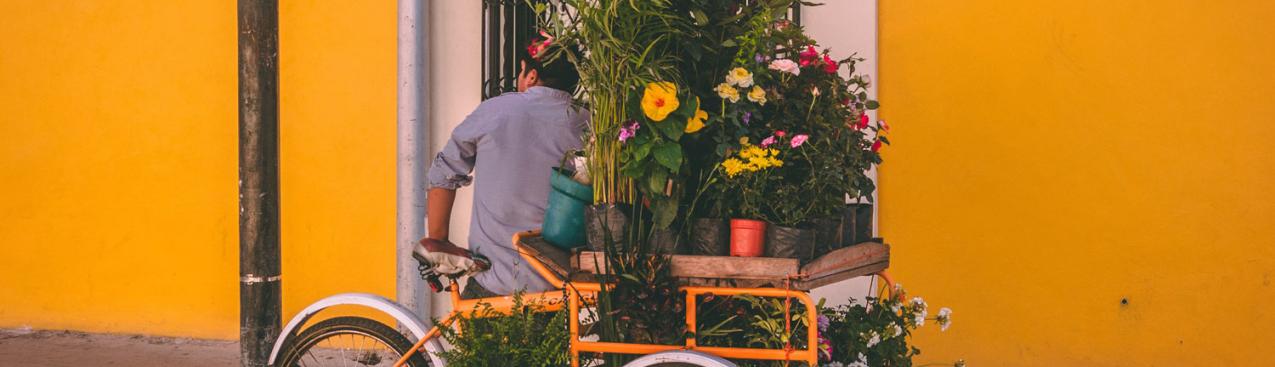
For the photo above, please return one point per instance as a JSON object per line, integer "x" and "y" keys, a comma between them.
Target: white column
{"x": 413, "y": 149}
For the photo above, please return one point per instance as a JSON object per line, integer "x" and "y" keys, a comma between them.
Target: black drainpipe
{"x": 259, "y": 300}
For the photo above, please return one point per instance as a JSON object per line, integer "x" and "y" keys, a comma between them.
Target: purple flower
{"x": 747, "y": 116}
{"x": 823, "y": 323}
{"x": 629, "y": 130}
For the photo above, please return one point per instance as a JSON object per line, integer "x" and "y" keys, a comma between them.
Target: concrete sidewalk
{"x": 44, "y": 348}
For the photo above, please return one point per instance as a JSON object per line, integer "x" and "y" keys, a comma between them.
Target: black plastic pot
{"x": 856, "y": 225}
{"x": 666, "y": 241}
{"x": 710, "y": 236}
{"x": 828, "y": 235}
{"x": 789, "y": 242}
{"x": 603, "y": 223}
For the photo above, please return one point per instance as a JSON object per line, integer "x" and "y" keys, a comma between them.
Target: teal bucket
{"x": 564, "y": 215}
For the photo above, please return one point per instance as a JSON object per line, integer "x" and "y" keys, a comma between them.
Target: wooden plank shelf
{"x": 854, "y": 261}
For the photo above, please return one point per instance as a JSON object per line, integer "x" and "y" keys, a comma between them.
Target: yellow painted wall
{"x": 1053, "y": 158}
{"x": 118, "y": 138}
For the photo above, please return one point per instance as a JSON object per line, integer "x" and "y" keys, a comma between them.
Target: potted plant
{"x": 748, "y": 175}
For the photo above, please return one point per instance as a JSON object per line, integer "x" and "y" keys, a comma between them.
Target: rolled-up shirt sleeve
{"x": 452, "y": 166}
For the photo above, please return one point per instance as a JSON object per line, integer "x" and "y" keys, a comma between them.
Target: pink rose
{"x": 799, "y": 139}
{"x": 770, "y": 140}
{"x": 785, "y": 65}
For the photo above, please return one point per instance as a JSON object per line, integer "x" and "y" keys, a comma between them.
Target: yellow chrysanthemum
{"x": 659, "y": 100}
{"x": 757, "y": 95}
{"x": 727, "y": 92}
{"x": 696, "y": 122}
{"x": 740, "y": 77}
{"x": 733, "y": 167}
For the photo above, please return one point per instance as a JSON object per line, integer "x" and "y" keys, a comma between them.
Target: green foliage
{"x": 528, "y": 337}
{"x": 752, "y": 322}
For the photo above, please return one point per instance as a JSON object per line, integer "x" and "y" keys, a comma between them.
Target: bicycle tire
{"x": 296, "y": 349}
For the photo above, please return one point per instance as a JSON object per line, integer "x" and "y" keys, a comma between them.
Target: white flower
{"x": 786, "y": 65}
{"x": 862, "y": 362}
{"x": 918, "y": 304}
{"x": 873, "y": 338}
{"x": 944, "y": 318}
{"x": 834, "y": 364}
{"x": 896, "y": 330}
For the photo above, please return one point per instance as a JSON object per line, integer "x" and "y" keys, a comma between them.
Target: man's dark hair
{"x": 558, "y": 74}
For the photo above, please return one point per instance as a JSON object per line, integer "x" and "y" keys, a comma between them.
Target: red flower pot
{"x": 747, "y": 237}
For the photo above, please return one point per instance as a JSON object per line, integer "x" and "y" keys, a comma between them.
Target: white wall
{"x": 455, "y": 70}
{"x": 846, "y": 27}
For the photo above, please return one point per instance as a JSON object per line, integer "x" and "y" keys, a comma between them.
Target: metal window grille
{"x": 507, "y": 25}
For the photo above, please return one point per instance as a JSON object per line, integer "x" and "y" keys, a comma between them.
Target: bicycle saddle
{"x": 445, "y": 258}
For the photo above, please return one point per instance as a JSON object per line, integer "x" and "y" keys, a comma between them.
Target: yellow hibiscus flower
{"x": 659, "y": 100}
{"x": 696, "y": 122}
{"x": 757, "y": 95}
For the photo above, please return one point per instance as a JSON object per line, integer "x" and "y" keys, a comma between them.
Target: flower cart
{"x": 575, "y": 277}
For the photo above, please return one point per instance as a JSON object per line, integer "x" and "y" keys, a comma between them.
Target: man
{"x": 510, "y": 143}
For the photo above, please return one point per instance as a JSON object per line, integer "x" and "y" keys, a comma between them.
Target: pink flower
{"x": 770, "y": 140}
{"x": 884, "y": 126}
{"x": 863, "y": 121}
{"x": 799, "y": 139}
{"x": 808, "y": 56}
{"x": 785, "y": 65}
{"x": 629, "y": 130}
{"x": 780, "y": 133}
{"x": 829, "y": 66}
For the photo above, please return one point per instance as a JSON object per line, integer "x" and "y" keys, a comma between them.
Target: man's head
{"x": 536, "y": 70}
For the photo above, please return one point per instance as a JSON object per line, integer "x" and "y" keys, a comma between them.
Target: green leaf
{"x": 640, "y": 151}
{"x": 672, "y": 127}
{"x": 729, "y": 43}
{"x": 656, "y": 180}
{"x": 700, "y": 19}
{"x": 669, "y": 155}
{"x": 872, "y": 105}
{"x": 664, "y": 210}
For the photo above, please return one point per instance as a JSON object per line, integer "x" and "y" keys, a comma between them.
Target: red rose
{"x": 876, "y": 146}
{"x": 808, "y": 56}
{"x": 829, "y": 66}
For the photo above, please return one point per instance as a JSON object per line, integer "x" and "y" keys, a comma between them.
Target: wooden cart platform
{"x": 854, "y": 261}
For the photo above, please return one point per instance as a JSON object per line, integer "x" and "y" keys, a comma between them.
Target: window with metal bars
{"x": 507, "y": 26}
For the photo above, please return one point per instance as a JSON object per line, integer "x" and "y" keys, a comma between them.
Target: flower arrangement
{"x": 875, "y": 333}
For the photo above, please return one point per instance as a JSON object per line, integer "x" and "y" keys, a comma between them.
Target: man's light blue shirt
{"x": 509, "y": 143}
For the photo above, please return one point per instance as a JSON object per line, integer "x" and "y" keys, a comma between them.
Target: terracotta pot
{"x": 747, "y": 237}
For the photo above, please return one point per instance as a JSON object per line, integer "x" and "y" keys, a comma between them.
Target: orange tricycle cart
{"x": 338, "y": 341}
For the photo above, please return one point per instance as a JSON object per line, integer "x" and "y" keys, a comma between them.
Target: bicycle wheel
{"x": 680, "y": 358}
{"x": 348, "y": 341}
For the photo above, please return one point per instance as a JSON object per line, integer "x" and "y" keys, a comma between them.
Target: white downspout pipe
{"x": 413, "y": 148}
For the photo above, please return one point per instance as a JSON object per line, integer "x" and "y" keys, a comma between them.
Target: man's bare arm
{"x": 439, "y": 214}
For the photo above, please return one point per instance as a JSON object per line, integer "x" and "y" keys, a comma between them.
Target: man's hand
{"x": 447, "y": 258}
